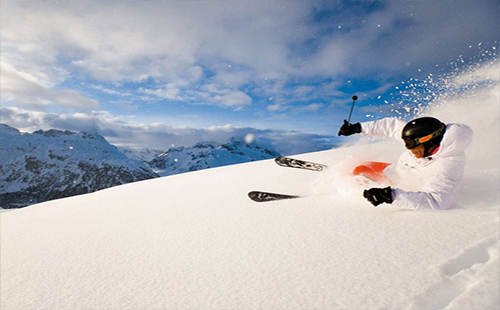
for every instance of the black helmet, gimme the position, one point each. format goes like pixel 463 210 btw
pixel 426 130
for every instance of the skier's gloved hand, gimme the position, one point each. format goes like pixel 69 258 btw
pixel 349 129
pixel 378 195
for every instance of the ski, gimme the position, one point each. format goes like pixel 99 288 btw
pixel 300 164
pixel 265 196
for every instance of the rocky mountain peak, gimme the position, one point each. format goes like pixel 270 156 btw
pixel 54 133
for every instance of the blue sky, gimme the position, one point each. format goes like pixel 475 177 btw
pixel 163 73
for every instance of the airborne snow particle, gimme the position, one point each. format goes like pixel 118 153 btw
pixel 249 138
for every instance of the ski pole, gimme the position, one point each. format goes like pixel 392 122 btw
pixel 354 98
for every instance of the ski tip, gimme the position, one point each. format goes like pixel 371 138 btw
pixel 259 196
pixel 252 195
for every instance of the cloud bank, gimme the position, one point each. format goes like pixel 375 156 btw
pixel 130 135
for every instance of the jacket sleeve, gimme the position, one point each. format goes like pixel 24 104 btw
pixel 388 127
pixel 439 188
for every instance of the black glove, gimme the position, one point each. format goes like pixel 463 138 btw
pixel 349 129
pixel 378 195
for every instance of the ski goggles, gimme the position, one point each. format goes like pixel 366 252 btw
pixel 411 143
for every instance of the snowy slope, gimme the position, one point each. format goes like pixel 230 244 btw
pixel 195 241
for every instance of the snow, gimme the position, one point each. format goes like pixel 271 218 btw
pixel 195 240
pixel 205 155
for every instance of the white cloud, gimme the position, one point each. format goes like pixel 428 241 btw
pixel 226 127
pixel 24 89
pixel 313 107
pixel 422 34
pixel 115 41
pixel 206 94
pixel 302 91
pixel 122 131
pixel 136 41
pixel 110 91
pixel 275 107
pixel 233 98
pixel 170 92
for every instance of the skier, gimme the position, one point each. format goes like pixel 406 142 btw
pixel 435 158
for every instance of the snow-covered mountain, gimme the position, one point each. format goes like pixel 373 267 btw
pixel 144 155
pixel 209 155
pixel 46 165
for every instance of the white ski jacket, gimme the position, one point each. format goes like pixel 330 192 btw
pixel 439 175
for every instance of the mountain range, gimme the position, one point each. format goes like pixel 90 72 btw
pixel 205 155
pixel 46 165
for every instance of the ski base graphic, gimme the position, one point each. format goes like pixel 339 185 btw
pixel 300 164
